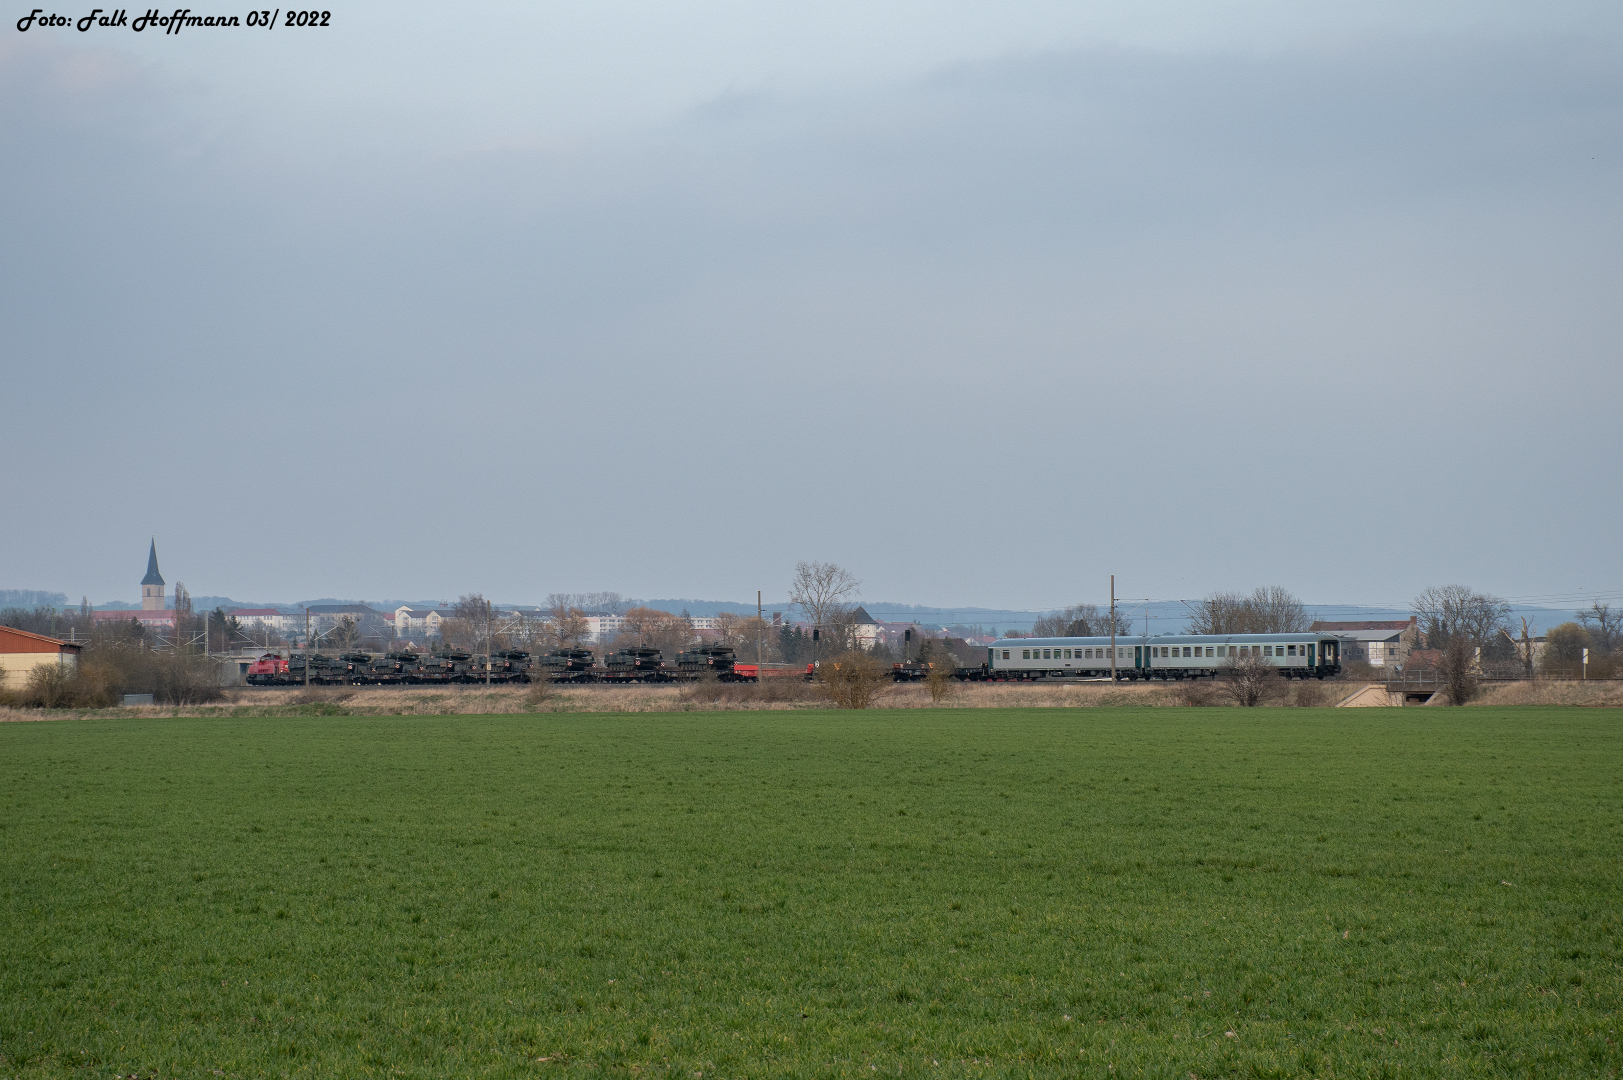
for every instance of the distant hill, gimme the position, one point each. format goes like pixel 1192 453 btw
pixel 32 598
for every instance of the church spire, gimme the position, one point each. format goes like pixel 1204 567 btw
pixel 152 585
pixel 153 577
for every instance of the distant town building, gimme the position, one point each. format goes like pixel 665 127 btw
pixel 417 624
pixel 267 618
pixel 866 629
pixel 368 620
pixel 603 625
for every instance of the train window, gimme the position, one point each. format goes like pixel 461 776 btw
pixel 1222 650
pixel 1005 654
pixel 1245 650
pixel 1208 650
pixel 1267 650
pixel 1089 653
pixel 1068 655
pixel 1025 654
pixel 1290 650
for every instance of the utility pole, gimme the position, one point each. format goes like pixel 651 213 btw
pixel 758 620
pixel 490 644
pixel 307 646
pixel 1112 627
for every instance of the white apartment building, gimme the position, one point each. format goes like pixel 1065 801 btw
pixel 416 624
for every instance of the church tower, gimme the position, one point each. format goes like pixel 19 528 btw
pixel 152 584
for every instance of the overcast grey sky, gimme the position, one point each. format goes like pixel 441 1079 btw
pixel 982 301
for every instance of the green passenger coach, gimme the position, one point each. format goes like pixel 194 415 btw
pixel 1174 656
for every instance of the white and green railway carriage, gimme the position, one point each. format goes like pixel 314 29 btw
pixel 1175 656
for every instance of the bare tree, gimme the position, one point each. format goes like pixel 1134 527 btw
pixel 823 591
pixel 1268 610
pixel 473 618
pixel 1278 611
pixel 664 631
pixel 1219 613
pixel 52 686
pixel 612 602
pixel 1451 611
pixel 942 677
pixel 1605 626
pixel 852 680
pixel 1524 648
pixel 567 626
pixel 1456 669
pixel 184 617
pixel 344 634
pixel 1079 620
pixel 1248 678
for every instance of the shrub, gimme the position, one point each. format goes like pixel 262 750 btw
pixel 541 690
pixel 1194 692
pixel 853 680
pixel 1312 695
pixel 1248 679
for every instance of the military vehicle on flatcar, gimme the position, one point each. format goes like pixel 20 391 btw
pixel 717 660
pixel 639 663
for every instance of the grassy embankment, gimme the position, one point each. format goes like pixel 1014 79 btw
pixel 794 695
pixel 960 893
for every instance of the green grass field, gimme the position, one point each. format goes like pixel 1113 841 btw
pixel 976 893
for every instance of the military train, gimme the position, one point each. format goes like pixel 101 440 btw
pixel 638 664
pixel 1184 656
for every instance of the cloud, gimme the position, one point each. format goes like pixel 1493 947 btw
pixel 1169 313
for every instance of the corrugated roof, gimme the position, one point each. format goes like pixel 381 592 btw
pixel 29 635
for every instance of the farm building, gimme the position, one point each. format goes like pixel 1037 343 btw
pixel 21 652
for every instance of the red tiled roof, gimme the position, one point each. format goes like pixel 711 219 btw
pixel 165 616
